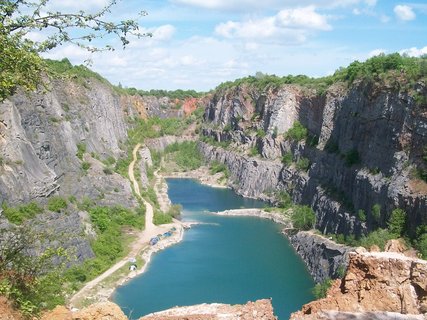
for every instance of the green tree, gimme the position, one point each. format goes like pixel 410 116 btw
pixel 376 213
pixel 303 218
pixel 396 224
pixel 20 63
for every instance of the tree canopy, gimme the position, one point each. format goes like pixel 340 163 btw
pixel 20 63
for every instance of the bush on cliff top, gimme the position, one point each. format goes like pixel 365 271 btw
pixel 411 68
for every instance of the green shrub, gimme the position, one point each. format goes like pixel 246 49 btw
pixel 351 158
pixel 21 213
pixel 421 244
pixel 297 133
pixel 216 167
pixel 85 166
pixel 161 218
pixel 320 289
pixel 361 215
pixel 378 237
pixel 185 154
pixel 284 200
pixel 341 270
pixel 303 218
pixel 312 140
pixel 108 170
pixel 175 210
pixel 56 204
pixel 376 213
pixel 287 158
pixel 396 223
pixel 81 149
pixel 253 152
pixel 303 164
pixel 260 133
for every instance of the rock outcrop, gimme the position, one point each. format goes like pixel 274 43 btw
pixel 258 310
pixel 323 257
pixel 377 282
pixel 98 311
pixel 362 142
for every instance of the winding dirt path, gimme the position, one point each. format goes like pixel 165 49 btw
pixel 150 231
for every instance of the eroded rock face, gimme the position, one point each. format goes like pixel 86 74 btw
pixel 376 281
pixel 323 257
pixel 98 311
pixel 258 310
pixel 367 136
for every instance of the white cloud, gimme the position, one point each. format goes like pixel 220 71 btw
pixel 290 25
pixel 306 18
pixel 376 52
pixel 414 52
pixel 162 33
pixel 245 5
pixel 77 5
pixel 404 12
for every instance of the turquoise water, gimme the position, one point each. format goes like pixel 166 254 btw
pixel 228 260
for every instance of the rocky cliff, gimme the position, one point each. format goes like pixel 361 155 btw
pixel 324 258
pixel 362 142
pixel 376 283
pixel 258 310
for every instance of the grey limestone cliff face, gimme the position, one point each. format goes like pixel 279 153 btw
pixel 41 132
pixel 324 258
pixel 369 137
pixel 40 135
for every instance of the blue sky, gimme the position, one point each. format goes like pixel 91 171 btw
pixel 197 44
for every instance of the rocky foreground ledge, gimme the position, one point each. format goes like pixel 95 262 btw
pixel 258 310
pixel 377 285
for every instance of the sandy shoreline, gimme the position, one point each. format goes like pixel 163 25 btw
pixel 202 175
pixel 259 213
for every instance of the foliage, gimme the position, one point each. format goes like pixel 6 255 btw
pixel 253 151
pixel 396 223
pixel 20 63
pixel 361 215
pixel 185 154
pixel 376 213
pixel 57 203
pixel 284 200
pixel 303 218
pixel 216 167
pixel 320 289
pixel 261 133
pixel 297 133
pixel 29 281
pixel 109 243
pixel 154 127
pixel 213 142
pixel 303 164
pixel 161 218
pixel 287 158
pixel 175 210
pixel 21 213
pixel 64 68
pixel 176 94
pixel 341 270
pixel 421 244
pixel 81 150
pixel 85 166
pixel 378 237
pixel 351 158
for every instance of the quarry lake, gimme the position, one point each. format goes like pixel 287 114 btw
pixel 226 259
